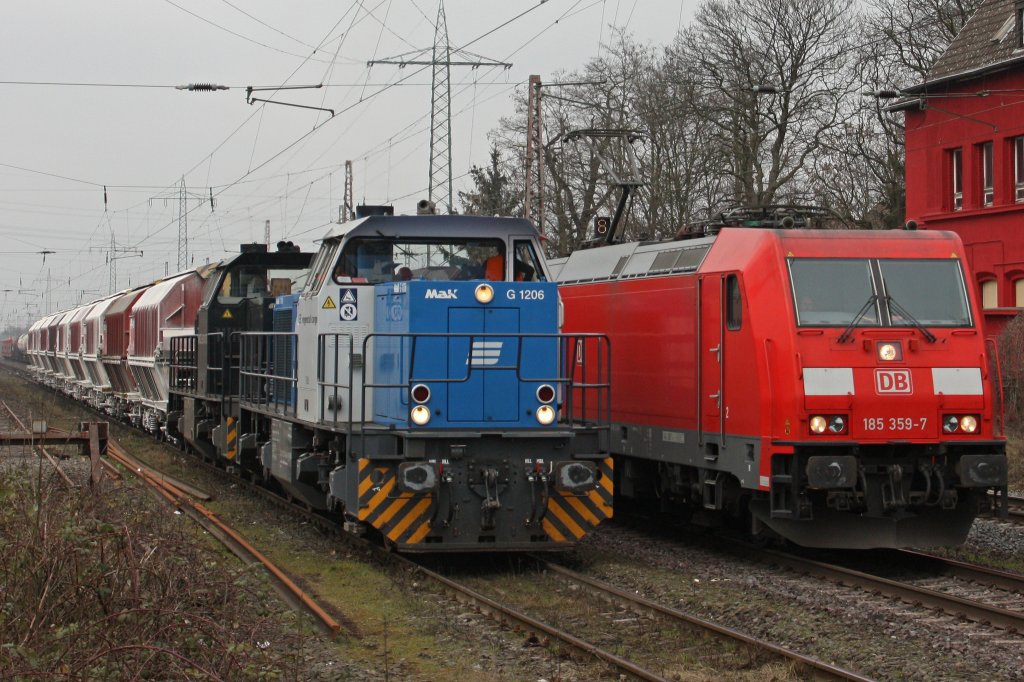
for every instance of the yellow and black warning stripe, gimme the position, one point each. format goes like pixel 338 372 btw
pixel 403 517
pixel 232 439
pixel 570 516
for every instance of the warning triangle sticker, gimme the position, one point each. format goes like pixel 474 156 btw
pixel 348 296
pixel 227 315
pixel 329 304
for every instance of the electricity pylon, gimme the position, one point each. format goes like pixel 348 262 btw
pixel 439 189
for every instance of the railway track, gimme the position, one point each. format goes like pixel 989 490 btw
pixel 544 631
pixel 1003 618
pixel 944 595
pixel 630 601
pixel 174 492
pixel 460 592
pixel 184 497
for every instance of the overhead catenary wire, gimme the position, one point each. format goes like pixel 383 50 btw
pixel 253 175
pixel 239 35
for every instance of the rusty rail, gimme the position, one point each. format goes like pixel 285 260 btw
pixel 176 494
pixel 127 460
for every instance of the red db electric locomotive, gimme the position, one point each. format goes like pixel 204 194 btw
pixel 832 387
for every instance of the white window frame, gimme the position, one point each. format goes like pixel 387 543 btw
pixel 957 171
pixel 1018 168
pixel 987 168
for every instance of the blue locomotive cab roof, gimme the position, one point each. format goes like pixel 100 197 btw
pixel 433 226
pixel 380 249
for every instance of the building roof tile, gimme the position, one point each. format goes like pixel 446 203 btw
pixel 983 44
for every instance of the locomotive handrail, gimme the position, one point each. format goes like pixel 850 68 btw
pixel 604 397
pixel 218 370
pixel 564 380
pixel 346 389
pixel 258 374
pixel 183 364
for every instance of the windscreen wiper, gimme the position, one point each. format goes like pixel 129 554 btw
pixel 847 334
pixel 902 312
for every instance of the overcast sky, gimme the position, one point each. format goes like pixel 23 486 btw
pixel 262 161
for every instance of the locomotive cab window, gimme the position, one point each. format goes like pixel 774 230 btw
pixel 322 266
pixel 372 260
pixel 833 292
pixel 929 292
pixel 526 267
pixel 257 282
pixel 734 303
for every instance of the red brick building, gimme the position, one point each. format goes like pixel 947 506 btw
pixel 965 152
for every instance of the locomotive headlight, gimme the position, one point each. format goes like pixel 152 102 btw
pixel 837 423
pixel 968 423
pixel 545 415
pixel 420 415
pixel 421 393
pixel 888 352
pixel 484 293
pixel 818 424
pixel 950 423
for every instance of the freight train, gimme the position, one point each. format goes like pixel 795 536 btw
pixel 411 377
pixel 832 387
pixel 13 348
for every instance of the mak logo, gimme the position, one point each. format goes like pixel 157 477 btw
pixel 484 353
pixel 893 381
pixel 446 294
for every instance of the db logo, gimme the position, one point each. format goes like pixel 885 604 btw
pixel 893 381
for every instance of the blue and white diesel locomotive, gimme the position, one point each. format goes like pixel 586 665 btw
pixel 419 384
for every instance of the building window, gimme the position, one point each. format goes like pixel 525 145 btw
pixel 1018 12
pixel 990 294
pixel 1018 293
pixel 986 174
pixel 957 171
pixel 1018 168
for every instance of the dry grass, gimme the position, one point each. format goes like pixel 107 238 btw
pixel 94 585
pixel 1015 457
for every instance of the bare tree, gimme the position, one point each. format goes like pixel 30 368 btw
pixel 907 36
pixel 683 161
pixel 861 172
pixel 757 102
pixel 772 74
